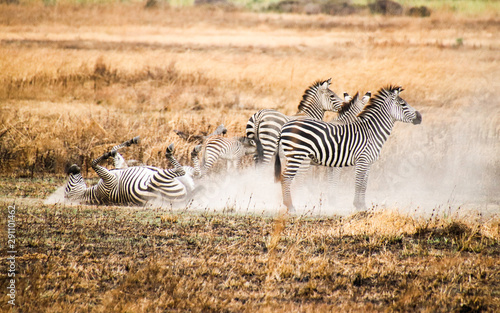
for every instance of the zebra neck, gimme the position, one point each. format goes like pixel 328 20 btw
pixel 311 110
pixel 381 122
pixel 90 194
pixel 78 190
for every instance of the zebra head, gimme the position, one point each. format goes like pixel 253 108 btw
pixel 400 110
pixel 319 98
pixel 75 187
pixel 249 145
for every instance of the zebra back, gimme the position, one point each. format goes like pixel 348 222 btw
pixel 265 125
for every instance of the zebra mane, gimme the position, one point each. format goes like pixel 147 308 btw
pixel 310 91
pixel 348 105
pixel 379 98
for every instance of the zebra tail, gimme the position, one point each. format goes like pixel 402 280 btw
pixel 277 165
pixel 258 144
pixel 260 150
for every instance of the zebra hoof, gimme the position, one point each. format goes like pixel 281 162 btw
pixel 170 150
pixel 359 206
pixel 112 153
pixel 195 151
pixel 74 169
pixel 136 140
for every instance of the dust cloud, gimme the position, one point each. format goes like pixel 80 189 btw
pixel 449 163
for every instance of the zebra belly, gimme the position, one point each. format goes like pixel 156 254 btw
pixel 133 186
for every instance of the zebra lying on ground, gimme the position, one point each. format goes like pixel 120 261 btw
pixel 130 186
pixel 229 149
pixel 358 143
pixel 191 172
pixel 265 125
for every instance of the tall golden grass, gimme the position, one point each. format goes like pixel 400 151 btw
pixel 76 80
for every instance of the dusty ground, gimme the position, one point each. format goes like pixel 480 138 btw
pixel 122 259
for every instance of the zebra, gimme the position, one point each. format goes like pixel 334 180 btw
pixel 229 149
pixel 129 186
pixel 118 160
pixel 350 109
pixel 265 125
pixel 191 172
pixel 346 114
pixel 359 143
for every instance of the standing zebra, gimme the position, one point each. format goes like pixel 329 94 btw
pixel 132 185
pixel 358 143
pixel 265 125
pixel 229 149
pixel 350 109
pixel 347 114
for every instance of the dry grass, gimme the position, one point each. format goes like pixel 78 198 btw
pixel 116 259
pixel 77 78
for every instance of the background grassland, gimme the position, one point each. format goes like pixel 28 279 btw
pixel 77 79
pixel 461 7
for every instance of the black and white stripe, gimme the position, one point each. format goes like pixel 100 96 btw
pixel 229 149
pixel 131 185
pixel 356 144
pixel 265 125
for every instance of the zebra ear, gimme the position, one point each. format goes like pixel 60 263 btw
pixel 347 97
pixel 326 83
pixel 398 90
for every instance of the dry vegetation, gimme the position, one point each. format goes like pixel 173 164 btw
pixel 115 259
pixel 76 80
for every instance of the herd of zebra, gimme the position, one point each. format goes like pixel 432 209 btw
pixel 354 138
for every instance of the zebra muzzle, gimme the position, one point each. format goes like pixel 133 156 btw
pixel 418 118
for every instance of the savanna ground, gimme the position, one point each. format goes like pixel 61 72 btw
pixel 78 79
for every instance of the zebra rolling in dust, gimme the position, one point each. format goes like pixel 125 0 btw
pixel 135 185
pixel 356 144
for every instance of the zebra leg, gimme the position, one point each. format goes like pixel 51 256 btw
pixel 170 157
pixel 301 177
pixel 293 164
pixel 109 181
pixel 362 171
pixel 127 143
pixel 333 182
pixel 196 161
